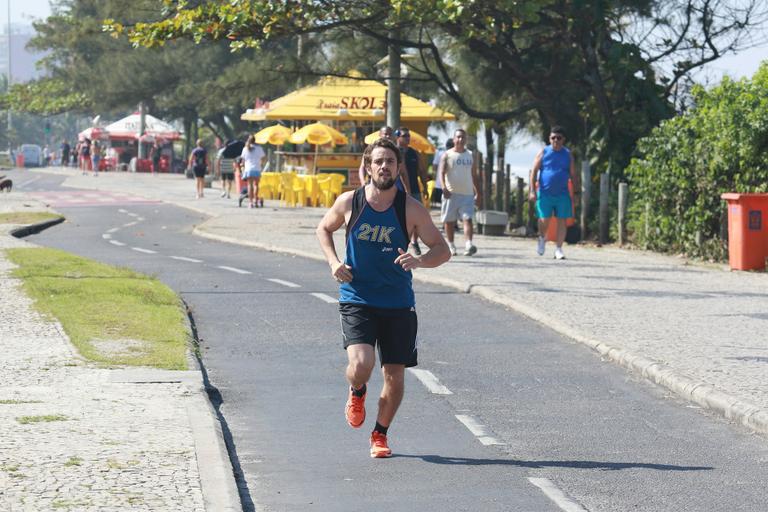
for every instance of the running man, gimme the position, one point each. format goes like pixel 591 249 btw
pixel 552 168
pixel 377 303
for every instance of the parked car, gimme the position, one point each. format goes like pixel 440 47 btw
pixel 33 155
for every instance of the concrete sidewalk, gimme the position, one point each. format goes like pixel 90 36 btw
pixel 76 436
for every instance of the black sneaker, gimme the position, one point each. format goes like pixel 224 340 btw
pixel 471 250
pixel 416 248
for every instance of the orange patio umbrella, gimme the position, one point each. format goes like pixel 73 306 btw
pixel 418 142
pixel 276 135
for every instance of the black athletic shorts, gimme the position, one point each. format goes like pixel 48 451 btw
pixel 199 171
pixel 228 176
pixel 392 330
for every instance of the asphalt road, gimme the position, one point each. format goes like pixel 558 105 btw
pixel 533 422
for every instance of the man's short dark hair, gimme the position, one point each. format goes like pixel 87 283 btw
pixel 557 129
pixel 462 130
pixel 380 143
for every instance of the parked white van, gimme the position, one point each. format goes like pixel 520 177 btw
pixel 33 155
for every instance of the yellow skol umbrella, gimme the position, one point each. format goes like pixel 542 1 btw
pixel 276 135
pixel 418 142
pixel 318 134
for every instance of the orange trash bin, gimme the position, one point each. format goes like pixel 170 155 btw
pixel 747 230
pixel 20 160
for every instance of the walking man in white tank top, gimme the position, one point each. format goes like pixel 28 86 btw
pixel 458 173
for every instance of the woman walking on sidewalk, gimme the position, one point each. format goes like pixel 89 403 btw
pixel 253 160
pixel 198 161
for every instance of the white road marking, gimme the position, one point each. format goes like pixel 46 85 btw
pixel 122 210
pixel 478 430
pixel 106 236
pixel 233 269
pixel 184 258
pixel 140 219
pixel 556 495
pixel 134 215
pixel 130 224
pixel 145 251
pixel 113 230
pixel 325 298
pixel 285 283
pixel 28 182
pixel 115 242
pixel 430 381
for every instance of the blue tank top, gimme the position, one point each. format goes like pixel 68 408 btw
pixel 371 251
pixel 555 171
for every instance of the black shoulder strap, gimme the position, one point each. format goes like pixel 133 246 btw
pixel 400 212
pixel 358 203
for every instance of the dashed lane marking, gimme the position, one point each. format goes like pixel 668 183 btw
pixel 478 430
pixel 430 381
pixel 233 269
pixel 325 298
pixel 106 236
pixel 130 224
pixel 115 242
pixel 145 251
pixel 556 495
pixel 285 283
pixel 113 230
pixel 184 258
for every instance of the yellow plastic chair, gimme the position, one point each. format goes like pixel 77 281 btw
pixel 337 180
pixel 311 188
pixel 268 185
pixel 430 188
pixel 324 183
pixel 293 191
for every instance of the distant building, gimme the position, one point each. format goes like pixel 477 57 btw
pixel 22 60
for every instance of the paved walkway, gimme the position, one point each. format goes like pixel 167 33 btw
pixel 76 436
pixel 697 329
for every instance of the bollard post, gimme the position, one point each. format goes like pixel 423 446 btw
pixel 623 197
pixel 506 188
pixel 486 195
pixel 519 202
pixel 603 211
pixel 586 192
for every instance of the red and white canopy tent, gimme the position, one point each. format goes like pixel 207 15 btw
pixel 128 128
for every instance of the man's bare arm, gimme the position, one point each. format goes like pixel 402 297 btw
pixel 329 224
pixel 534 175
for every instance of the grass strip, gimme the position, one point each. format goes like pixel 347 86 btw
pixel 46 418
pixel 112 315
pixel 26 217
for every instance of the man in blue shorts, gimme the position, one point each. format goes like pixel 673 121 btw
pixel 376 302
pixel 553 166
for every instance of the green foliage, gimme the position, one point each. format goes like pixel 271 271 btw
pixel 686 163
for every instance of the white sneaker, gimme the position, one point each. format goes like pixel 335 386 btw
pixel 453 249
pixel 224 194
pixel 541 245
pixel 559 254
pixel 471 250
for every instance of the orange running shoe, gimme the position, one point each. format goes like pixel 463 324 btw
pixel 355 410
pixel 379 448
